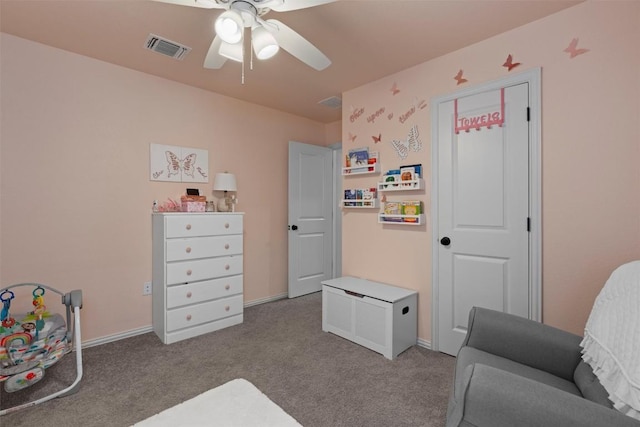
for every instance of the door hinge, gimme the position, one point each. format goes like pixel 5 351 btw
pixel 528 114
pixel 529 224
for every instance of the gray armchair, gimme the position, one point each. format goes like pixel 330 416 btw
pixel 512 371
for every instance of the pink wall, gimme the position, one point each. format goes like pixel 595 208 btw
pixel 590 144
pixel 75 191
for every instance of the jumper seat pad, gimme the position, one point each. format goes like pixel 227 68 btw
pixel 32 340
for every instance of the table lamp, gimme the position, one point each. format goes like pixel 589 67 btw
pixel 225 182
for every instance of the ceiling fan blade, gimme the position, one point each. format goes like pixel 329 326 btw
pixel 297 45
pixel 214 60
pixel 287 5
pixel 204 4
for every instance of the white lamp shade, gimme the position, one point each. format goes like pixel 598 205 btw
pixel 229 26
pixel 264 44
pixel 224 182
pixel 232 51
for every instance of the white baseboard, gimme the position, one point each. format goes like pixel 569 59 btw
pixel 147 329
pixel 267 299
pixel 117 337
pixel 424 343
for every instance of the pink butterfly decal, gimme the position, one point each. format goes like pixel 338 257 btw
pixel 510 64
pixel 459 78
pixel 175 165
pixel 394 89
pixel 573 50
pixel 352 137
pixel 376 139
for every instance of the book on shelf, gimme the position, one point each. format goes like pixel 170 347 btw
pixel 358 157
pixel 349 195
pixel 411 208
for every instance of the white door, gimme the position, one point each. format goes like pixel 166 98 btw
pixel 311 205
pixel 483 210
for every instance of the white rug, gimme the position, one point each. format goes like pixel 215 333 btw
pixel 237 403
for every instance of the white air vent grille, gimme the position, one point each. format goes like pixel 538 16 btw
pixel 166 47
pixel 334 102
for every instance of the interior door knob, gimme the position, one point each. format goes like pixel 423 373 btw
pixel 445 241
pixel 294 227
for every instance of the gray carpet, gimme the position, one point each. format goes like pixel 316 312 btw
pixel 318 378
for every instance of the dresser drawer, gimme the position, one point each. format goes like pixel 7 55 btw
pixel 202 313
pixel 203 247
pixel 193 293
pixel 202 269
pixel 202 225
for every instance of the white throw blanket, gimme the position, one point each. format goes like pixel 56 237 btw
pixel 237 403
pixel 611 344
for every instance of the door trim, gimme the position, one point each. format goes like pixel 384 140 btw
pixel 533 78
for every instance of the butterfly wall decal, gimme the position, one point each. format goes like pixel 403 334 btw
pixel 573 49
pixel 352 137
pixel 458 77
pixel 412 143
pixel 376 139
pixel 175 165
pixel 394 89
pixel 509 64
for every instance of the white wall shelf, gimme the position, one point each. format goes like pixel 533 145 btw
pixel 360 204
pixel 368 169
pixel 412 185
pixel 401 219
pixel 371 169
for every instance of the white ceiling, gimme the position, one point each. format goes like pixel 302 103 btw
pixel 365 39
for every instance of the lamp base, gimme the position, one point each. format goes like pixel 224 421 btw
pixel 225 205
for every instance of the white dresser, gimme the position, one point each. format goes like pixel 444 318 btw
pixel 197 273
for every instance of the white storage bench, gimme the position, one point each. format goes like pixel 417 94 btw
pixel 380 317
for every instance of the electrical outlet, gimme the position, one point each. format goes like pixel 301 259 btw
pixel 146 288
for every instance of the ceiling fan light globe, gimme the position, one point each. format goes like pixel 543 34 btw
pixel 264 44
pixel 267 52
pixel 229 27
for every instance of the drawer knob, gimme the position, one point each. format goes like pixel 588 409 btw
pixel 188 226
pixel 188 250
pixel 188 294
pixel 226 267
pixel 227 308
pixel 226 246
pixel 227 287
pixel 226 225
pixel 188 317
pixel 189 272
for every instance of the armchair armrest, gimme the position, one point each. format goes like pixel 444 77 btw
pixel 497 398
pixel 524 341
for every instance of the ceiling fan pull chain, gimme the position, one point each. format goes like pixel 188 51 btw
pixel 242 70
pixel 251 53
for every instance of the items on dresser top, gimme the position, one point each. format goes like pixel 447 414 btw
pixel 197 273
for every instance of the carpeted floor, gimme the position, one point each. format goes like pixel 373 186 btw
pixel 318 378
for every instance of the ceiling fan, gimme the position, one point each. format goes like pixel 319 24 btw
pixel 267 36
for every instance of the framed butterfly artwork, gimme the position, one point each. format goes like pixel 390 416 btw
pixel 178 164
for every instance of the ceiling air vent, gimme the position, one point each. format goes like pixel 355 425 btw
pixel 334 102
pixel 166 47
